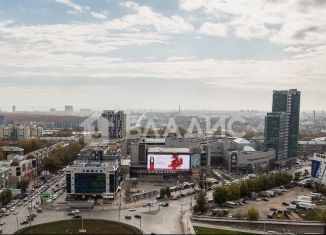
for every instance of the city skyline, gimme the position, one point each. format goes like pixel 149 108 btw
pixel 201 54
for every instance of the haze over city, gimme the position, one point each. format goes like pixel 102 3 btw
pixel 201 54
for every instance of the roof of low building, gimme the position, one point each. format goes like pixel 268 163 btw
pixel 248 149
pixel 168 150
pixel 11 149
pixel 241 141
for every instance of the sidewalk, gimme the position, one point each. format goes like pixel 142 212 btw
pixel 187 224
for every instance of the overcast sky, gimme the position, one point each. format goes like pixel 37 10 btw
pixel 156 54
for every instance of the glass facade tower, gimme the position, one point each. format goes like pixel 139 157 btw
pixel 282 125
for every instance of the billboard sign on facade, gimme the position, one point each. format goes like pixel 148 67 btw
pixel 169 162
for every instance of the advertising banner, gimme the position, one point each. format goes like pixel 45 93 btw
pixel 173 162
pixel 315 168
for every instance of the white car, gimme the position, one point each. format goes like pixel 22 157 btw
pixel 15 212
pixel 2 222
pixel 132 209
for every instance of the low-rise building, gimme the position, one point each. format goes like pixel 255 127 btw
pixel 248 160
pixel 20 168
pixel 308 148
pixel 7 150
pixel 95 173
pixel 93 178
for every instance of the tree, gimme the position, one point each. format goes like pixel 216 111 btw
pixel 168 192
pixel 244 189
pixel 233 191
pixel 62 156
pixel 23 185
pixel 201 185
pixel 5 196
pixel 2 155
pixel 209 184
pixel 253 214
pixel 201 202
pixel 162 192
pixel 220 195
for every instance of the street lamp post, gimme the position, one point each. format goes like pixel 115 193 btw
pixel 120 206
pixel 17 222
pixel 140 224
pixel 30 213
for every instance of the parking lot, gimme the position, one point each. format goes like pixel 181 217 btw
pixel 274 202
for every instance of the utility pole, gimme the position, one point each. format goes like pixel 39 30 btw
pixel 30 213
pixel 17 222
pixel 120 207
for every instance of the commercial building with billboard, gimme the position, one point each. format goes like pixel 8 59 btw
pixel 164 163
pixel 318 168
pixel 96 176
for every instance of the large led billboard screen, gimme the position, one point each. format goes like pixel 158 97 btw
pixel 168 162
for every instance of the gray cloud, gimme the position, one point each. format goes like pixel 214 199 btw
pixel 301 34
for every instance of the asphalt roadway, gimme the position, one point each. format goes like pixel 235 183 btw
pixel 163 220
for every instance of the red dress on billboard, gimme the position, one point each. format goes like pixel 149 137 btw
pixel 176 162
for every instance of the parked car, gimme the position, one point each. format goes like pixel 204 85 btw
pixel 24 222
pixel 285 203
pixel 138 216
pixel 128 217
pixel 132 209
pixel 2 222
pixel 77 216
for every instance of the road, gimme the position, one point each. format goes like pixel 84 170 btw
pixel 163 220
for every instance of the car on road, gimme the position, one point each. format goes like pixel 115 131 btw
pixel 24 222
pixel 2 222
pixel 138 216
pixel 128 217
pixel 70 213
pixel 266 199
pixel 12 209
pixel 39 210
pixel 285 203
pixel 77 216
pixel 7 213
pixel 15 212
pixel 164 204
pixel 149 204
pixel 132 209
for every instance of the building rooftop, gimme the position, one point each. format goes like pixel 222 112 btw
pixel 152 140
pixel 168 150
pixel 12 148
pixel 312 142
pixel 248 149
pixel 241 141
